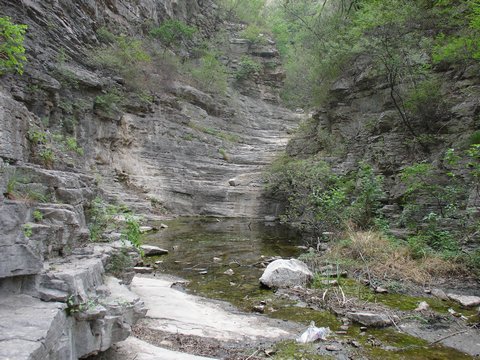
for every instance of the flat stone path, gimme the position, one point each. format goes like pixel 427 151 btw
pixel 174 311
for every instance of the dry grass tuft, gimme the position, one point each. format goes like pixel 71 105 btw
pixel 375 256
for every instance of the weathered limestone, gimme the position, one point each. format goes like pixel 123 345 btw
pixel 370 319
pixel 286 273
pixel 175 311
pixel 465 300
pixel 150 250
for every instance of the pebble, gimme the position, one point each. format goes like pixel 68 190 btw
pixel 217 260
pixel 332 348
pixel 422 306
pixel 381 290
pixel 204 272
pixel 229 272
pixel 259 309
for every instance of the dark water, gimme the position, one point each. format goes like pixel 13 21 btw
pixel 201 250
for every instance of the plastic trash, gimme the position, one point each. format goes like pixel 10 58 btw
pixel 313 333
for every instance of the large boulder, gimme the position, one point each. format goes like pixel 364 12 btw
pixel 286 273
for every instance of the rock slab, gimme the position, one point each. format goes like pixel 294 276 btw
pixel 370 319
pixel 465 300
pixel 286 273
pixel 150 250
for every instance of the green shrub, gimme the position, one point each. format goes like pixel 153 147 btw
pixel 47 155
pixel 173 32
pixel 37 215
pixel 209 74
pixel 109 102
pixel 247 68
pixel 72 145
pixel 254 34
pixel 12 50
pixel 131 232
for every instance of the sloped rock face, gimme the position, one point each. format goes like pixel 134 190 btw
pixel 176 153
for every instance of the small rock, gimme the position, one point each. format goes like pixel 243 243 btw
pixel 363 328
pixel 229 272
pixel 233 182
pixel 332 348
pixel 439 294
pixel 270 218
pixel 355 344
pixel 269 352
pixel 263 302
pixel 341 332
pixel 454 313
pixel 163 226
pixel 422 306
pixel 145 229
pixel 259 309
pixel 465 300
pixel 150 250
pixel 203 272
pixel 427 291
pixel 159 262
pixel 330 282
pixel 217 260
pixel 366 282
pixel 166 343
pixel 143 270
pixel 232 283
pixel 370 319
pixel 344 327
pixel 381 290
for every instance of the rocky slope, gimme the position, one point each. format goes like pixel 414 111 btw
pixel 186 152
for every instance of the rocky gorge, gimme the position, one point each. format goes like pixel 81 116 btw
pixel 80 129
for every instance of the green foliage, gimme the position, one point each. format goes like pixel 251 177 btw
pixel 319 200
pixel 254 34
pixel 47 155
pixel 248 11
pixel 105 35
pixel 12 50
pixel 464 43
pixel 247 68
pixel 109 102
pixel 27 230
pixel 173 32
pixel 427 195
pixel 224 154
pixel 369 193
pixel 72 145
pixel 131 231
pixel 119 262
pixel 209 73
pixel 37 215
pixel 425 101
pixel 475 138
pixel 103 216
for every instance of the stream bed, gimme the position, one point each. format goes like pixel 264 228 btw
pixel 222 259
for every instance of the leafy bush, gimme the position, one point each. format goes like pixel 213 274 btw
pixel 319 200
pixel 248 11
pixel 173 32
pixel 209 73
pixel 12 50
pixel 247 68
pixel 131 231
pixel 254 34
pixel 109 102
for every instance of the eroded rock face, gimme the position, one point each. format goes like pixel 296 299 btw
pixel 286 273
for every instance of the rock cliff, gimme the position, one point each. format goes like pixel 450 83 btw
pixel 184 151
